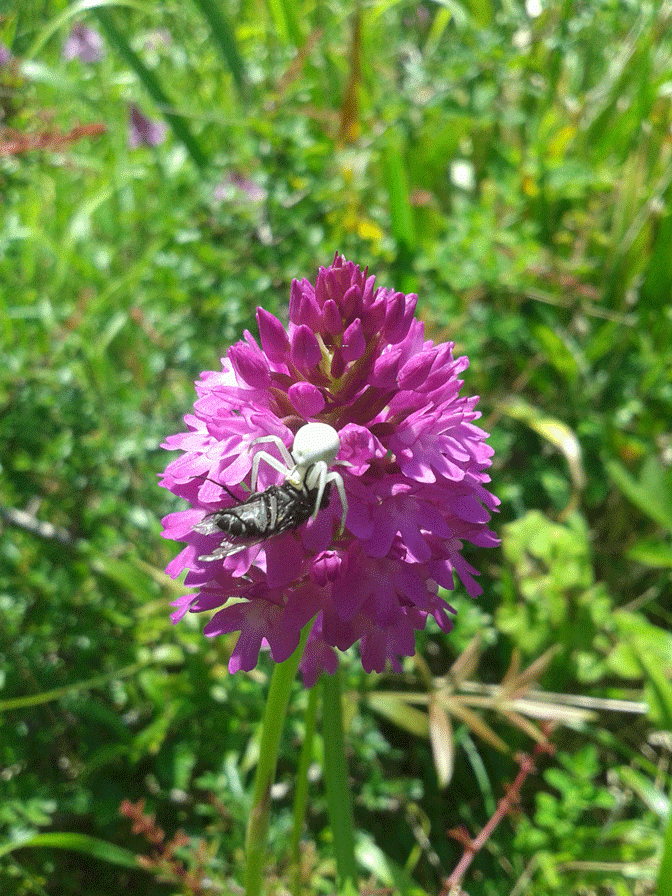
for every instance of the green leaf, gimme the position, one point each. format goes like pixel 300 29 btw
pixel 392 706
pixel 665 873
pixel 90 846
pixel 656 799
pixel 386 870
pixel 554 430
pixel 659 688
pixel 638 637
pixel 652 494
pixel 442 742
pixel 285 17
pixel 651 552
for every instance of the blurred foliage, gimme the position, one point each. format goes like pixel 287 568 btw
pixel 512 164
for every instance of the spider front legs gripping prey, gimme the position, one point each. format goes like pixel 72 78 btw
pixel 280 508
pixel 314 449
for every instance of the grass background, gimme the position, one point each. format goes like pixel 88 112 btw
pixel 512 165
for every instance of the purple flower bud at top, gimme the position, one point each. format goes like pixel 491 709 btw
pixel 333 323
pixel 305 350
pixel 274 339
pixel 303 305
pixel 338 364
pixel 251 367
pixel 351 302
pixel 353 341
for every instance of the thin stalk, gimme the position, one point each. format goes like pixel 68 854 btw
pixel 272 725
pixel 301 792
pixel 336 780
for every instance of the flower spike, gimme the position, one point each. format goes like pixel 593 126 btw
pixel 350 394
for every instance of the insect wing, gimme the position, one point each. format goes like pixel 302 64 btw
pixel 208 525
pixel 228 548
pixel 242 525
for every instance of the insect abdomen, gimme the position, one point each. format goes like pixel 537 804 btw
pixel 278 509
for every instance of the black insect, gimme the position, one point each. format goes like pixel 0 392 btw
pixel 279 508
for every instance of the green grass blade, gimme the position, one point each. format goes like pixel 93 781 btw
pixel 665 873
pixel 153 88
pixel 90 846
pixel 285 18
pixel 292 18
pixel 97 681
pixel 225 40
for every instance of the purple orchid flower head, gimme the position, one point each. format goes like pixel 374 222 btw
pixel 83 43
pixel 403 474
pixel 240 184
pixel 144 131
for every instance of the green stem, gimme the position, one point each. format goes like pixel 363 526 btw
pixel 272 725
pixel 336 780
pixel 301 793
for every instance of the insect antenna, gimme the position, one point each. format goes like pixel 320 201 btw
pixel 221 485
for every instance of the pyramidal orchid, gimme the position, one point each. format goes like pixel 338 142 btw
pixel 412 466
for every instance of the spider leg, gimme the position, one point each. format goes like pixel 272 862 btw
pixel 279 444
pixel 317 477
pixel 337 479
pixel 271 461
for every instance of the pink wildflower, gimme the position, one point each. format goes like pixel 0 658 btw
pixel 412 460
pixel 83 43
pixel 144 131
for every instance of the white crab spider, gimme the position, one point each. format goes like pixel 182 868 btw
pixel 314 449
